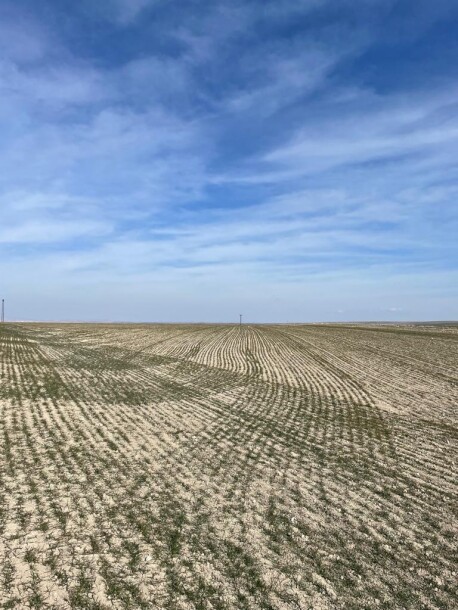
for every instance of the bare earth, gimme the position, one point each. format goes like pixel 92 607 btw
pixel 262 467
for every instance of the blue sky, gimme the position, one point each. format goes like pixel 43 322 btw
pixel 172 161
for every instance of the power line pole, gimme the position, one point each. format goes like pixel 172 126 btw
pixel 3 310
pixel 240 319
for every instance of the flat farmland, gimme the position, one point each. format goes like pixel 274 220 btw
pixel 225 467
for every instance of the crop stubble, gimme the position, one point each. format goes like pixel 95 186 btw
pixel 213 466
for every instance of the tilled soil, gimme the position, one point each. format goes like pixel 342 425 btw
pixel 226 467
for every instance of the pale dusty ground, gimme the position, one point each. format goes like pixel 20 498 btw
pixel 262 467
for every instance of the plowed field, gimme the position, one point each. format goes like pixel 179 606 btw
pixel 212 466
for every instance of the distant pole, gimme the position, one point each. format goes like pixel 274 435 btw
pixel 240 319
pixel 3 310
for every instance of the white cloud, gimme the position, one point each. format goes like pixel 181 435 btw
pixel 128 11
pixel 23 40
pixel 41 232
pixel 52 87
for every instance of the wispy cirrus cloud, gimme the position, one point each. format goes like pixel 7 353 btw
pixel 245 150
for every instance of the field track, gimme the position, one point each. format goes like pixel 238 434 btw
pixel 219 467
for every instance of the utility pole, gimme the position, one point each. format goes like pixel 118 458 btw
pixel 240 319
pixel 3 310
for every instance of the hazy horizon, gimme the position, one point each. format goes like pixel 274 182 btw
pixel 235 323
pixel 188 161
